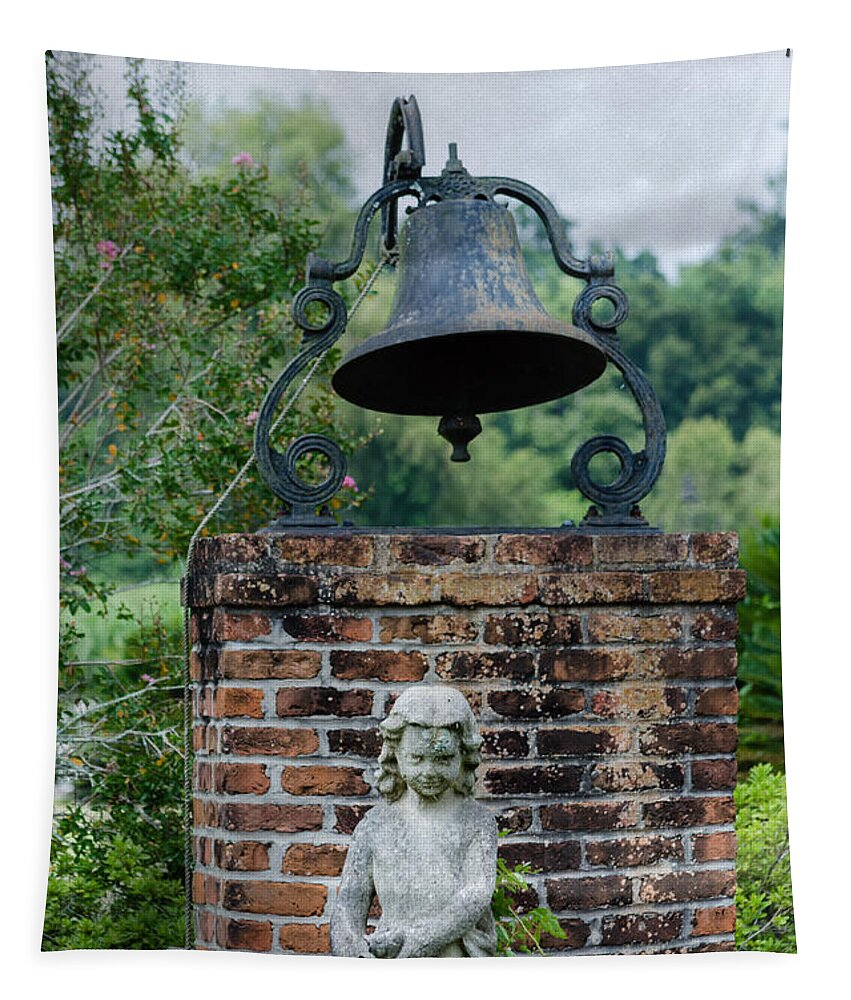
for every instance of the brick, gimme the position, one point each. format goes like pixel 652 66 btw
pixel 589 816
pixel 644 550
pixel 712 946
pixel 715 625
pixel 354 550
pixel 287 899
pixel 204 665
pixel 303 701
pixel 504 743
pixel 643 702
pixel 244 935
pixel 689 737
pixel 636 776
pixel 717 701
pixel 327 628
pixel 465 590
pixel 271 816
pixel 323 780
pixel 537 704
pixel 200 626
pixel 719 548
pixel 348 817
pixel 640 928
pixel 532 629
pixel 714 846
pixel 432 629
pixel 590 588
pixel 548 856
pixel 273 740
pixel 514 820
pixel 555 779
pixel 680 887
pixel 571 665
pixel 242 855
pixel 306 939
pixel 589 893
pixel 205 813
pixel 699 586
pixel 583 741
pixel 355 742
pixel 403 589
pixel 206 923
pixel 713 775
pixel 228 626
pixel 231 703
pixel 690 664
pixel 269 664
pixel 479 665
pixel 202 850
pixel 436 550
pixel 204 739
pixel 242 779
pixel 689 811
pixel 378 664
pixel 576 933
pixel 203 777
pixel 714 920
pixel 238 550
pixel 544 549
pixel 314 859
pixel 633 851
pixel 611 626
pixel 248 590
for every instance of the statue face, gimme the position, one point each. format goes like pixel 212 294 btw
pixel 429 759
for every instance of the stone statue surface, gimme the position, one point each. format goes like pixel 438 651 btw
pixel 428 851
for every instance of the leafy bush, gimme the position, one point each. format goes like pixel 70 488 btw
pixel 764 914
pixel 116 867
pixel 517 930
pixel 760 684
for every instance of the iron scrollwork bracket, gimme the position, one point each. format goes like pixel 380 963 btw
pixel 401 173
pixel 615 504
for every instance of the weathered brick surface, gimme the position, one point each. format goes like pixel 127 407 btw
pixel 602 670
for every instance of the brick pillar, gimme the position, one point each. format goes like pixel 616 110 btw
pixel 601 669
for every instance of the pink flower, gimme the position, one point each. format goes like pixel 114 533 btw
pixel 147 678
pixel 109 249
pixel 78 572
pixel 252 417
pixel 349 483
pixel 63 563
pixel 106 265
pixel 243 160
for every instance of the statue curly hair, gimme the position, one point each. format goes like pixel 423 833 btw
pixel 435 707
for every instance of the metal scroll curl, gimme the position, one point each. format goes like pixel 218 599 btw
pixel 279 470
pixel 616 503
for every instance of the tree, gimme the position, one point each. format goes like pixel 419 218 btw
pixel 172 296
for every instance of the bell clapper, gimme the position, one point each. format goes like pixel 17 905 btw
pixel 459 431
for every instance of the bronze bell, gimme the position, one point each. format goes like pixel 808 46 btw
pixel 467 333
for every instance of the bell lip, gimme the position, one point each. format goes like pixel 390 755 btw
pixel 348 381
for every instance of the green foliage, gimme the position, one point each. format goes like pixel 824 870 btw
pixel 764 913
pixel 761 692
pixel 116 867
pixel 516 930
pixel 172 295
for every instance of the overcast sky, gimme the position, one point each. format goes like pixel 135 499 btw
pixel 656 156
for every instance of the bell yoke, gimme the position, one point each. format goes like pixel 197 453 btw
pixel 467 333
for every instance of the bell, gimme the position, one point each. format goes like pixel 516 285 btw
pixel 467 333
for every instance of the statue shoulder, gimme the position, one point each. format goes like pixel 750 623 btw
pixel 483 818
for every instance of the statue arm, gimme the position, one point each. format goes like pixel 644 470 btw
pixel 431 935
pixel 348 920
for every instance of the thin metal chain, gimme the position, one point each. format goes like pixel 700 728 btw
pixel 187 679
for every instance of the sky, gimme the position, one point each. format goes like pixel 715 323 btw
pixel 656 156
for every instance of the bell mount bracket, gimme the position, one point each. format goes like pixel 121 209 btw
pixel 615 504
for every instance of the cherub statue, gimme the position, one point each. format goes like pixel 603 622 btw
pixel 428 851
